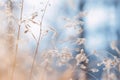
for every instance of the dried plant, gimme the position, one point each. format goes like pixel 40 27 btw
pixel 18 38
pixel 54 63
pixel 39 38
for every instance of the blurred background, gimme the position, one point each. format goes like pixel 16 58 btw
pixel 101 23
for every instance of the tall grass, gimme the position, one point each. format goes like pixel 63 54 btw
pixel 53 63
pixel 18 38
pixel 39 38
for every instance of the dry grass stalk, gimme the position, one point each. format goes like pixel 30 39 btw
pixel 18 38
pixel 10 26
pixel 59 58
pixel 38 42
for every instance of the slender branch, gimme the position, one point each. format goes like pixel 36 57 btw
pixel 38 42
pixel 18 38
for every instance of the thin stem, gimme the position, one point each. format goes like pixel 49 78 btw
pixel 18 38
pixel 38 42
pixel 33 36
pixel 32 33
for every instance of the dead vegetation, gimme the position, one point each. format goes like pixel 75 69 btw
pixel 52 63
